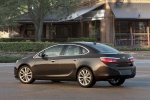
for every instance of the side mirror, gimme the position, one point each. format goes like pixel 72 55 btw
pixel 43 55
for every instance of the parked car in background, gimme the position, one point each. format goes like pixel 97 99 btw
pixel 85 62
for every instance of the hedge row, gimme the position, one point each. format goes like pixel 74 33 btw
pixel 23 46
pixel 143 48
pixel 37 46
pixel 48 40
pixel 9 59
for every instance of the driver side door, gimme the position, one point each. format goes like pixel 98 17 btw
pixel 46 64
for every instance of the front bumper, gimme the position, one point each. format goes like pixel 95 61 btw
pixel 15 72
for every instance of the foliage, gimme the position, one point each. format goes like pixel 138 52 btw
pixel 37 10
pixel 93 32
pixel 81 39
pixel 9 59
pixel 125 48
pixel 23 46
pixel 47 40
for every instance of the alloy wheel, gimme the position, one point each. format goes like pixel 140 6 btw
pixel 25 75
pixel 85 78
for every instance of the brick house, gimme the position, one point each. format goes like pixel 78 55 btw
pixel 121 22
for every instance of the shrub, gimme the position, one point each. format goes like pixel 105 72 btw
pixel 23 46
pixel 82 39
pixel 9 59
pixel 143 48
pixel 48 40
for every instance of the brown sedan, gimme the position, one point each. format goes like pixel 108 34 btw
pixel 85 62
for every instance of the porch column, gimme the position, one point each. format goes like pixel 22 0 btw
pixel 81 35
pixel 148 35
pixel 131 33
pixel 90 28
pixel 47 31
pixel 113 31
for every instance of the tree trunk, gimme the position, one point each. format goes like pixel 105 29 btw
pixel 38 32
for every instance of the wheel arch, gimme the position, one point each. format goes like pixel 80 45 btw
pixel 84 66
pixel 23 65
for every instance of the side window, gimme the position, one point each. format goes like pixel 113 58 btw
pixel 53 51
pixel 84 51
pixel 72 50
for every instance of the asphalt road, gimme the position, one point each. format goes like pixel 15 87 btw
pixel 137 88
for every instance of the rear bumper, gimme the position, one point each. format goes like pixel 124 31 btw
pixel 106 73
pixel 15 72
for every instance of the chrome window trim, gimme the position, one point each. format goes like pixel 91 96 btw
pixel 36 55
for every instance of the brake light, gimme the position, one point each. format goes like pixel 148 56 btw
pixel 131 59
pixel 109 59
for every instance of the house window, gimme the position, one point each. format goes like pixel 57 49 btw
pixel 122 27
pixel 139 27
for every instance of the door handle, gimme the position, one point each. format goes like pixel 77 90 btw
pixel 53 60
pixel 75 60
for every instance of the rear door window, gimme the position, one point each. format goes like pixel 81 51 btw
pixel 104 48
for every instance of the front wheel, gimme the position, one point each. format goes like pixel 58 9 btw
pixel 25 75
pixel 85 77
pixel 117 81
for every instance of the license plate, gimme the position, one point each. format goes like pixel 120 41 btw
pixel 125 72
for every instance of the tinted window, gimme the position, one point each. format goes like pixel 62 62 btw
pixel 104 48
pixel 53 51
pixel 75 50
pixel 72 50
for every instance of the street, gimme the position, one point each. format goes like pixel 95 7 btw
pixel 137 88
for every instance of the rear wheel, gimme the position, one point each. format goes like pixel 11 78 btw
pixel 85 77
pixel 25 75
pixel 117 81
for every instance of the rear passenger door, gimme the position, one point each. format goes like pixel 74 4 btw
pixel 69 60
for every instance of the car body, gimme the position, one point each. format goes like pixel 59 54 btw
pixel 85 62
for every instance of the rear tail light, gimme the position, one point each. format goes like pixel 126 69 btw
pixel 109 59
pixel 131 59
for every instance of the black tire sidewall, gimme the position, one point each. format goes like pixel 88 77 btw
pixel 120 82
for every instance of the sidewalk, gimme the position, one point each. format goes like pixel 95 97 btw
pixel 136 61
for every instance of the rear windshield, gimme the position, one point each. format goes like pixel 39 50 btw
pixel 104 48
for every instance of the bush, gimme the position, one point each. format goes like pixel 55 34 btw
pixel 81 39
pixel 9 59
pixel 49 40
pixel 23 46
pixel 143 48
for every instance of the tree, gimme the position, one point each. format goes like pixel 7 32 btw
pixel 37 10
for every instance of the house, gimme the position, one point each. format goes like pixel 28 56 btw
pixel 121 22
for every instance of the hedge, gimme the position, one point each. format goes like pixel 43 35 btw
pixel 129 48
pixel 9 59
pixel 23 46
pixel 48 40
pixel 37 46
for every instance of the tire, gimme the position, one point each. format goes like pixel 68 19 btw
pixel 85 78
pixel 55 81
pixel 25 75
pixel 117 81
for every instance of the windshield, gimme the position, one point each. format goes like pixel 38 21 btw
pixel 104 48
